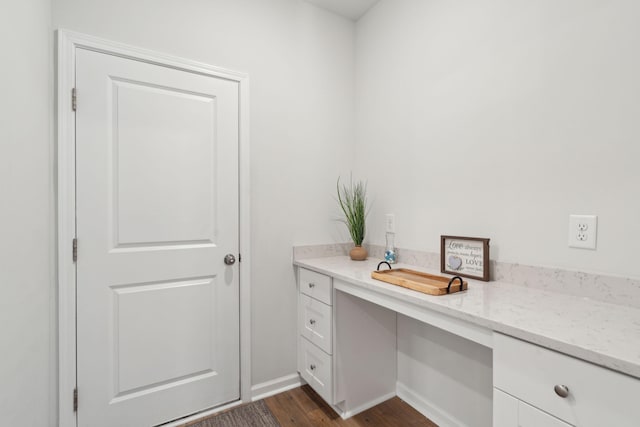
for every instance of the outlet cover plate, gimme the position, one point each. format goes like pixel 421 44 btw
pixel 583 231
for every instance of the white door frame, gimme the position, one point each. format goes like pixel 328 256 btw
pixel 67 44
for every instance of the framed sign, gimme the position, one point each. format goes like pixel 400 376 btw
pixel 465 256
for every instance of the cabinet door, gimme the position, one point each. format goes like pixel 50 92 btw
pixel 511 412
pixel 505 409
pixel 528 416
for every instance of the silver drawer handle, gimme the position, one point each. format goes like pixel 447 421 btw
pixel 561 390
pixel 312 285
pixel 312 321
pixel 312 367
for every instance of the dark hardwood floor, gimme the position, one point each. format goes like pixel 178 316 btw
pixel 303 407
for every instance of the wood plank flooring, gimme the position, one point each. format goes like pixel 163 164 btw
pixel 303 407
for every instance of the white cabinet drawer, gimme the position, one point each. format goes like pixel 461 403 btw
pixel 528 416
pixel 315 285
pixel 511 412
pixel 315 367
pixel 505 409
pixel 315 322
pixel 597 396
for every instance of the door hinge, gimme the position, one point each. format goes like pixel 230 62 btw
pixel 74 99
pixel 75 250
pixel 75 400
pixel 239 257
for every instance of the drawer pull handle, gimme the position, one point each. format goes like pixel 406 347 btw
pixel 312 367
pixel 312 285
pixel 312 321
pixel 562 391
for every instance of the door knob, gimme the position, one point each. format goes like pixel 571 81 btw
pixel 229 259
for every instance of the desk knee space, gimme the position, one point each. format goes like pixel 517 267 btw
pixel 355 366
pixel 366 356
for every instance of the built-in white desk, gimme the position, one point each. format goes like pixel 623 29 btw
pixel 512 346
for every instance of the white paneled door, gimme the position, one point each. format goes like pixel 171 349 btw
pixel 157 211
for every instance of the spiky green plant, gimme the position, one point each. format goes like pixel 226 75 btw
pixel 353 201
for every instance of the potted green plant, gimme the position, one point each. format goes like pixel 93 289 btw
pixel 353 202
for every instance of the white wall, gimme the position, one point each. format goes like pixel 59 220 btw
pixel 452 377
pixel 27 380
pixel 499 119
pixel 495 119
pixel 301 65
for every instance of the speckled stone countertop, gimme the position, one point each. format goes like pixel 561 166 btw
pixel 599 332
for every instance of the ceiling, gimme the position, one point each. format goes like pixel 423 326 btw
pixel 352 9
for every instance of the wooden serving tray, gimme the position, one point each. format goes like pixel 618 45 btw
pixel 418 281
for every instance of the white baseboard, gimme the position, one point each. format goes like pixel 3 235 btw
pixel 361 408
pixel 269 388
pixel 426 408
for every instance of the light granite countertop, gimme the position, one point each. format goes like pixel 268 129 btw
pixel 599 332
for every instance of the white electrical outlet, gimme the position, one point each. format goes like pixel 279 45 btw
pixel 390 223
pixel 583 231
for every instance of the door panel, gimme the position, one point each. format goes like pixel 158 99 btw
pixel 150 139
pixel 157 210
pixel 143 359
